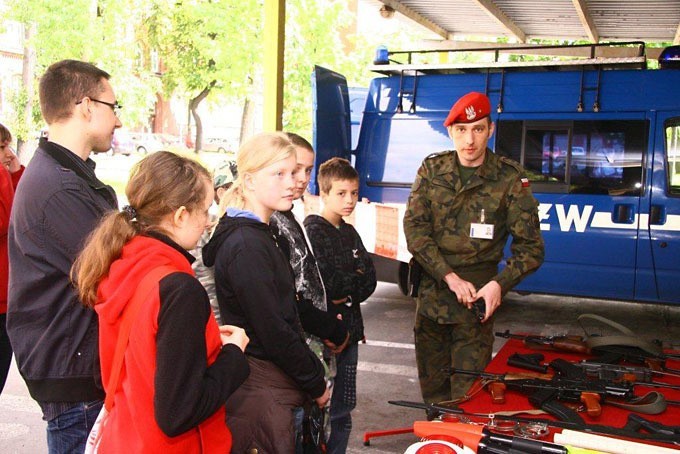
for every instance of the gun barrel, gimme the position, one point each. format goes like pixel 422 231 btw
pixel 642 373
pixel 476 373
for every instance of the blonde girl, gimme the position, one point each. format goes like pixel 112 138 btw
pixel 256 290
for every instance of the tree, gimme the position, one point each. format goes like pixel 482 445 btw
pixel 100 32
pixel 312 38
pixel 206 47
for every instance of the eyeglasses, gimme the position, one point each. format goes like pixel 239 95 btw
pixel 113 105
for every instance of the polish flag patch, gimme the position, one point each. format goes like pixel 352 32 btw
pixel 525 182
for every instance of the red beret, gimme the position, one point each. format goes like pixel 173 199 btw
pixel 469 108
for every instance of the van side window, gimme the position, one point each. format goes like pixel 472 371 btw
pixel 579 157
pixel 673 156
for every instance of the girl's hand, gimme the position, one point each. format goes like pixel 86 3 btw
pixel 231 334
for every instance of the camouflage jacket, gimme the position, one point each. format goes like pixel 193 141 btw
pixel 441 209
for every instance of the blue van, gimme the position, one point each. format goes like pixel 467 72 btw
pixel 598 136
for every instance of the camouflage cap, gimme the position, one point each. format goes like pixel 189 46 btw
pixel 224 173
pixel 469 108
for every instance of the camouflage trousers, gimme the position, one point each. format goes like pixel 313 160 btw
pixel 440 346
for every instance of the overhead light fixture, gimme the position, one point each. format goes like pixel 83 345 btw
pixel 387 12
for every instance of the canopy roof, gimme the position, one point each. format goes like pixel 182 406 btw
pixel 521 20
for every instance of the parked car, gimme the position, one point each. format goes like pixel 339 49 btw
pixel 218 145
pixel 168 140
pixel 122 143
pixel 146 142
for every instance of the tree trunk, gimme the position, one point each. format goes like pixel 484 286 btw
pixel 246 121
pixel 193 106
pixel 27 77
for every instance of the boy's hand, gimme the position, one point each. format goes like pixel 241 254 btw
pixel 336 348
pixel 340 301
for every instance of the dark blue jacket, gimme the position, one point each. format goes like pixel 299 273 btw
pixel 58 202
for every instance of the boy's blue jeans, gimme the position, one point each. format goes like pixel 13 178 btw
pixel 344 399
pixel 67 433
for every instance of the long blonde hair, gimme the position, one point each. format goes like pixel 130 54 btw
pixel 159 184
pixel 255 154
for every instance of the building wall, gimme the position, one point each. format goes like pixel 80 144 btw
pixel 11 61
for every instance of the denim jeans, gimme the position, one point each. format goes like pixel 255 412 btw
pixel 67 433
pixel 344 399
pixel 298 418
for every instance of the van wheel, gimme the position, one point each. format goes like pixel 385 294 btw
pixel 403 278
pixel 221 150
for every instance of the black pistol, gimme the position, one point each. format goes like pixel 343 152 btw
pixel 479 309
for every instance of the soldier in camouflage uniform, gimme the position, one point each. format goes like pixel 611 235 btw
pixel 462 207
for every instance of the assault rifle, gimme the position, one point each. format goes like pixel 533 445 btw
pixel 657 432
pixel 617 353
pixel 573 344
pixel 605 354
pixel 633 374
pixel 587 370
pixel 590 393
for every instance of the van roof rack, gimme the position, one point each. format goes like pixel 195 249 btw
pixel 615 55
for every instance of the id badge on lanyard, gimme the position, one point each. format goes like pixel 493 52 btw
pixel 481 230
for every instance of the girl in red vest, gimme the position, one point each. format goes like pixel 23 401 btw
pixel 179 367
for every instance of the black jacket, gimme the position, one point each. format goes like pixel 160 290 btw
pixel 58 202
pixel 256 291
pixel 346 268
pixel 312 305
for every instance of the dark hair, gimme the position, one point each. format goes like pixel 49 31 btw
pixel 5 135
pixel 335 169
pixel 299 141
pixel 159 184
pixel 65 83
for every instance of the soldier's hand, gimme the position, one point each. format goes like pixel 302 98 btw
pixel 463 289
pixel 491 293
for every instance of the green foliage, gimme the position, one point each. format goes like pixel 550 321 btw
pixel 99 32
pixel 202 41
pixel 312 38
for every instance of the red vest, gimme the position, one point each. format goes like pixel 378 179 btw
pixel 132 417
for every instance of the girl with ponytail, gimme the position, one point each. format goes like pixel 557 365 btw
pixel 179 367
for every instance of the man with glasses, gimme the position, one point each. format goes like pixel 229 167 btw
pixel 57 204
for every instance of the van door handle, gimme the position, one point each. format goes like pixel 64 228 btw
pixel 657 214
pixel 624 213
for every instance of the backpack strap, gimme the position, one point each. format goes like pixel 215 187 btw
pixel 146 285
